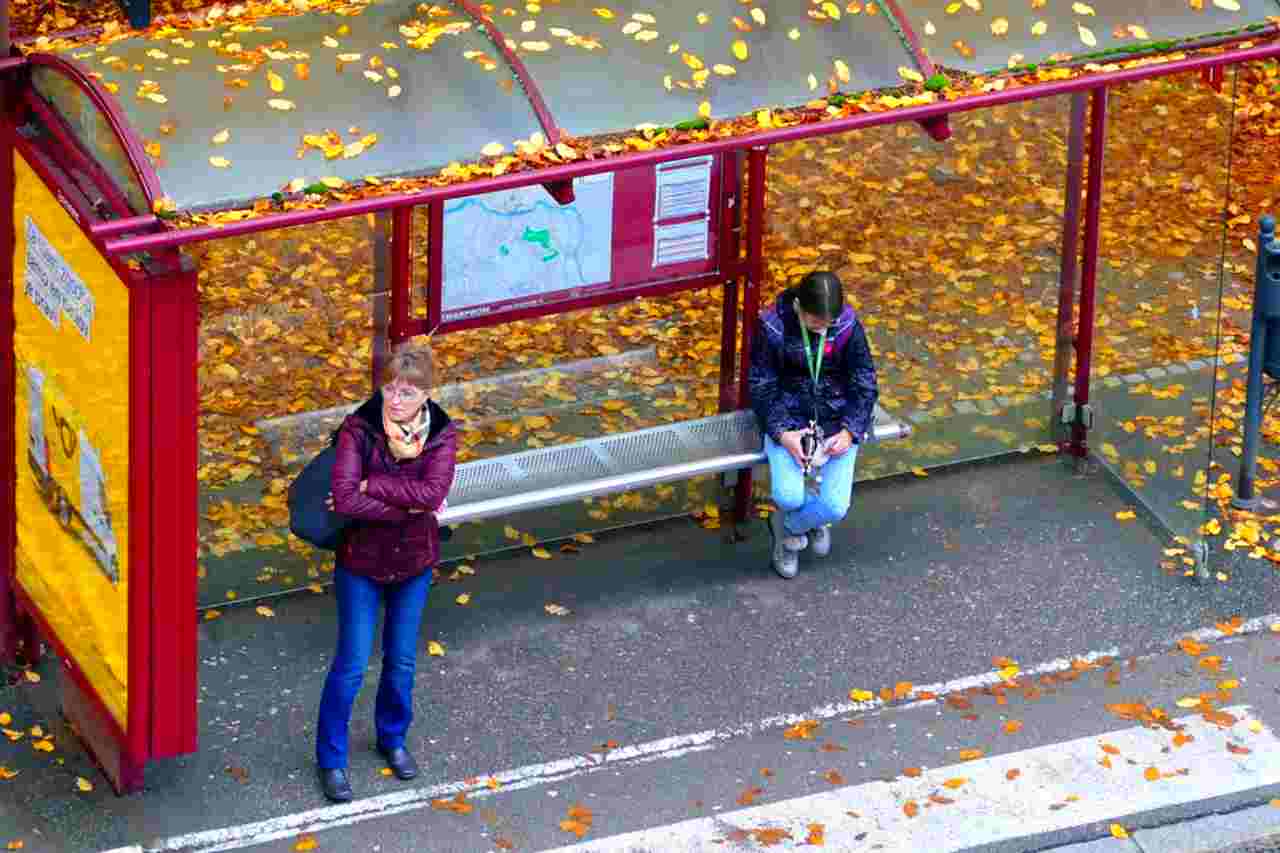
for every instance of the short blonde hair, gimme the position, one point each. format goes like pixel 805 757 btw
pixel 413 362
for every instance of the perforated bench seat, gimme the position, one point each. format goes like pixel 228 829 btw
pixel 601 466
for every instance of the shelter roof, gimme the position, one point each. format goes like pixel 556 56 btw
pixel 236 104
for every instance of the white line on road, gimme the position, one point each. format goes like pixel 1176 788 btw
pixel 330 817
pixel 1056 787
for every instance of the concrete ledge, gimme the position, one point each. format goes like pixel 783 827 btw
pixel 1212 832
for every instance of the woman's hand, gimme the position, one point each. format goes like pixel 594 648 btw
pixel 328 501
pixel 840 443
pixel 791 441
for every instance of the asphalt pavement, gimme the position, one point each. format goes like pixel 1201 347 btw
pixel 668 688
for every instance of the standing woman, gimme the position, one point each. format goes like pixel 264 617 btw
pixel 813 389
pixel 394 467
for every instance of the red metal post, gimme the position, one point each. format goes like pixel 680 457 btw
pixel 435 263
pixel 1065 344
pixel 757 160
pixel 401 272
pixel 8 407
pixel 171 570
pixel 1089 267
pixel 730 264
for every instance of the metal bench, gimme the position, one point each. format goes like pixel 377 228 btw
pixel 617 463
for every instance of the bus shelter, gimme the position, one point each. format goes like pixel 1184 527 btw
pixel 504 165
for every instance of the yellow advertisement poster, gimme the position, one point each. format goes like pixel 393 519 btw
pixel 72 346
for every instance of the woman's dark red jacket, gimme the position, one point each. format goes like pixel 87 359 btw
pixel 388 543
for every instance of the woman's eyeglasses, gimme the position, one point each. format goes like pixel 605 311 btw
pixel 401 392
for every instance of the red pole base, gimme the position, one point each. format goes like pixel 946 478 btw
pixel 125 775
pixel 742 496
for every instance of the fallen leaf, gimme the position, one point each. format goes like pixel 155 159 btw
pixel 970 754
pixel 1118 831
pixel 861 695
pixel 435 649
pixel 1151 774
pixel 955 783
pixel 281 104
pixel 1013 774
pixel 464 599
pixel 556 609
pixel 910 809
pixel 83 784
pixel 834 777
pixel 1012 726
pixel 542 553
pixel 1238 750
pixel 305 843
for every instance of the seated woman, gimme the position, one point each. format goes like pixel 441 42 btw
pixel 394 466
pixel 813 389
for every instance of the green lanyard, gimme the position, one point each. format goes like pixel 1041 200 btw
pixel 814 361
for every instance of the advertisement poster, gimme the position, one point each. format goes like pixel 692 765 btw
pixel 72 345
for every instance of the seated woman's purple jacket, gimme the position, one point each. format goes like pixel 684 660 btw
pixel 388 543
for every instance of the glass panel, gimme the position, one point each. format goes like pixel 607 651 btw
pixel 571 51
pixel 285 344
pixel 950 253
pixel 90 127
pixel 957 36
pixel 1159 291
pixel 351 106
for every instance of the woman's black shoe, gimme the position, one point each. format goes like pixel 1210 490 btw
pixel 400 762
pixel 336 787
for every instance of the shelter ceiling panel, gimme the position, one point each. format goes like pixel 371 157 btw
pixel 611 66
pixel 234 113
pixel 981 35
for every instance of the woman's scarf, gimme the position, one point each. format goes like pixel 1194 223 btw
pixel 406 440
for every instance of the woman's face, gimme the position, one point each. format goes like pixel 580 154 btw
pixel 402 400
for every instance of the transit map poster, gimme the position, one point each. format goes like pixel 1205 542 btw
pixel 514 249
pixel 72 346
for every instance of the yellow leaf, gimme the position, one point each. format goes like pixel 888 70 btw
pixel 333 183
pixel 704 109
pixel 435 649
pixel 1000 27
pixel 281 104
pixel 584 538
pixel 394 91
pixel 859 258
pixel 1118 831
pixel 464 599
pixel 757 15
pixel 275 81
pixel 265 611
pixel 221 136
pixel 43 745
pixel 6 774
pixel 1188 702
pixel 919 472
pixel 1255 726
pixel 1008 673
pixel 84 784
pixel 220 162
pixel 306 843
pixel 1229 5
pixel 910 74
pixel 842 71
pixel 740 50
pixel 1087 36
pixel 493 149
pixel 542 553
pixel 33 677
pixel 955 783
pixel 1126 515
pixel 607 14
pixel 861 695
pixel 5 719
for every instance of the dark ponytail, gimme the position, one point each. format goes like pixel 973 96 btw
pixel 821 294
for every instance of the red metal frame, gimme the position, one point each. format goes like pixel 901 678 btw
pixel 517 66
pixel 107 104
pixel 1089 267
pixel 757 163
pixel 401 272
pixel 919 113
pixel 8 404
pixel 730 251
pixel 170 450
pixel 435 264
pixel 1070 254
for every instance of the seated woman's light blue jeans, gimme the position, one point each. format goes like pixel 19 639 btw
pixel 802 510
pixel 358 605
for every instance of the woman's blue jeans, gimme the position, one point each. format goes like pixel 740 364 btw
pixel 358 599
pixel 803 511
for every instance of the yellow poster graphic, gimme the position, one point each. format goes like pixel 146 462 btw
pixel 72 346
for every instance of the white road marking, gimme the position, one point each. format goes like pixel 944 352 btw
pixel 1058 786
pixel 330 817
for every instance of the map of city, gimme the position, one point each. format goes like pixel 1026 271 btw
pixel 521 244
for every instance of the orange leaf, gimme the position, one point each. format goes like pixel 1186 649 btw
pixel 910 809
pixel 953 784
pixel 1109 749
pixel 970 754
pixel 748 796
pixel 834 777
pixel 1151 774
pixel 1181 739
pixel 911 772
pixel 1013 774
pixel 1012 726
